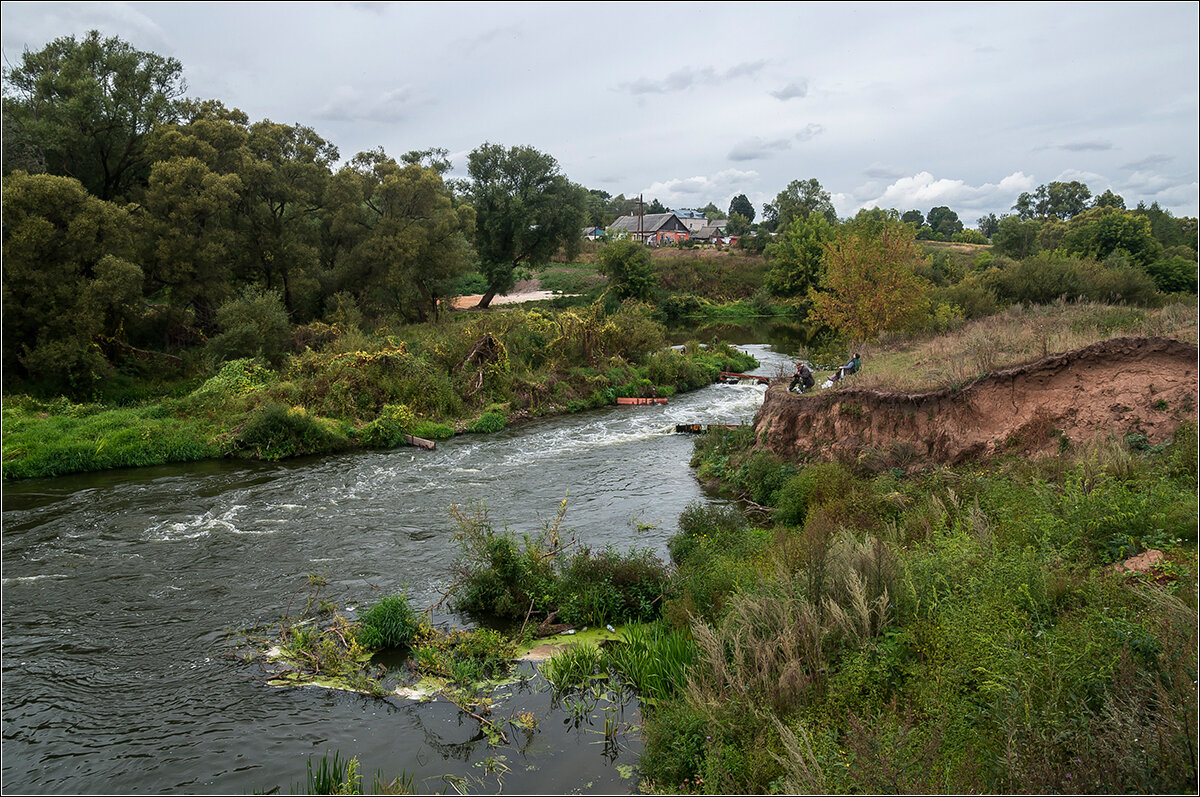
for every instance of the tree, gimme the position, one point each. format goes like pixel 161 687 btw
pixel 405 239
pixel 869 285
pixel 67 281
pixel 711 212
pixel 83 109
pixel 737 224
pixel 1099 232
pixel 801 198
pixel 913 217
pixel 944 222
pixel 1109 200
pixel 1016 237
pixel 657 207
pixel 740 204
pixel 1060 200
pixel 629 269
pixel 797 256
pixel 525 210
pixel 988 224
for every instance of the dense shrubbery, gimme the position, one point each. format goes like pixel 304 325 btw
pixel 928 633
pixel 390 624
pixel 503 576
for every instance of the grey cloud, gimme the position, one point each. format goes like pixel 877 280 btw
pixel 686 78
pixel 791 91
pixel 882 173
pixel 757 148
pixel 348 104
pixel 1147 162
pixel 810 131
pixel 1087 146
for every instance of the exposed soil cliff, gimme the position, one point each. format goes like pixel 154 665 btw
pixel 1121 386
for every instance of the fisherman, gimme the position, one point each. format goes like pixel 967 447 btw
pixel 803 377
pixel 852 366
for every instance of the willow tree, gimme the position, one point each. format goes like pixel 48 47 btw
pixel 525 210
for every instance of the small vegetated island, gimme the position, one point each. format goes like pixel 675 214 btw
pixel 969 567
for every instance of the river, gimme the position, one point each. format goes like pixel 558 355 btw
pixel 121 589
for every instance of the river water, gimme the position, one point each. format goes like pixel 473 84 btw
pixel 121 589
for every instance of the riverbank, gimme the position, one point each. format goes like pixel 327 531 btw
pixel 474 372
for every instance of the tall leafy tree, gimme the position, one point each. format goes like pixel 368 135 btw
pixel 1108 200
pixel 83 109
pixel 711 212
pixel 67 280
pixel 988 224
pixel 525 210
pixel 740 204
pixel 801 199
pixel 1058 200
pixel 869 284
pixel 407 238
pixel 657 207
pixel 797 256
pixel 1101 231
pixel 284 176
pixel 913 217
pixel 1016 237
pixel 629 269
pixel 944 222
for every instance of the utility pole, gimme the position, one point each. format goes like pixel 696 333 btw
pixel 641 220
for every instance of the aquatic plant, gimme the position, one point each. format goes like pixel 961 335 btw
pixel 389 624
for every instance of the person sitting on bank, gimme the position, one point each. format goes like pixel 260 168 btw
pixel 802 377
pixel 851 367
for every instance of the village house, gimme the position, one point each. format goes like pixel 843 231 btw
pixel 655 228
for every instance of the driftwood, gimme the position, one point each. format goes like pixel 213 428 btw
pixel 549 628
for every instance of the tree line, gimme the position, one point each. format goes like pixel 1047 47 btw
pixel 132 214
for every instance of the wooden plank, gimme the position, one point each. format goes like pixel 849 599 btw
pixel 697 428
pixel 640 401
pixel 762 380
pixel 420 442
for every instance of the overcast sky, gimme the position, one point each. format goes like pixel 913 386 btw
pixel 897 105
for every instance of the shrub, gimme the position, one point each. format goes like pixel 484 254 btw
pixel 813 486
pixel 274 431
pixel 254 324
pixel 390 624
pixel 488 422
pixel 389 428
pixel 610 587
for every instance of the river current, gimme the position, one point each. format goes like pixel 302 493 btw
pixel 121 589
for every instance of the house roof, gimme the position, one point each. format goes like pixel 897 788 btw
pixel 708 232
pixel 651 222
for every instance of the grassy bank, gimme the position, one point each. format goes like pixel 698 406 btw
pixel 470 373
pixel 960 631
pixel 1018 335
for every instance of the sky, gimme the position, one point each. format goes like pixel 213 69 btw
pixel 894 105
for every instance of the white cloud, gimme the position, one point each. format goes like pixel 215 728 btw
pixel 719 188
pixel 690 77
pixel 923 191
pixel 809 132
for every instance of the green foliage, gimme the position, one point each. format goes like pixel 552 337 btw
pixel 67 281
pixel 255 324
pixel 597 588
pixel 814 486
pixel 465 657
pixel 574 666
pixel 489 422
pixel 339 776
pixel 525 211
pixel 276 431
pixel 654 659
pixel 629 268
pixel 797 255
pixel 1174 274
pixel 389 427
pixel 390 624
pixel 1044 278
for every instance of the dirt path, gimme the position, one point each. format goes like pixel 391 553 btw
pixel 523 291
pixel 1120 386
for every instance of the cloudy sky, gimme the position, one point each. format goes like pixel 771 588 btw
pixel 896 105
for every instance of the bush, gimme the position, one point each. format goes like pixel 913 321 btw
pixel 488 422
pixel 610 587
pixel 390 624
pixel 254 324
pixel 629 269
pixel 389 428
pixel 813 486
pixel 274 431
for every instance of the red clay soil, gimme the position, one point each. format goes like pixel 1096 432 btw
pixel 1116 387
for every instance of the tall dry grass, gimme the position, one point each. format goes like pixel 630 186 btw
pixel 1019 335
